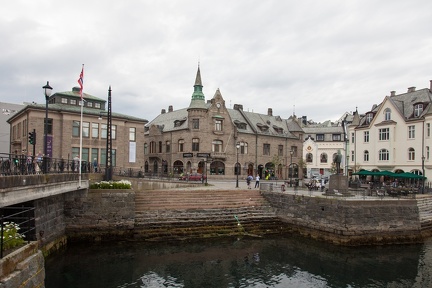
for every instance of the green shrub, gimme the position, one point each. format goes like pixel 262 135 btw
pixel 11 236
pixel 122 184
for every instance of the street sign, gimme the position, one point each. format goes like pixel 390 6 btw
pixel 205 155
pixel 187 155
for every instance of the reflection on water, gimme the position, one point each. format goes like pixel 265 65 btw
pixel 271 262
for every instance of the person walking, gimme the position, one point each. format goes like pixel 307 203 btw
pixel 95 165
pixel 248 181
pixel 257 179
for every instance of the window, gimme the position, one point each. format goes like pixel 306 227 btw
pixel 294 149
pixel 323 158
pixel 366 156
pixel 95 130
pixel 336 137
pixel 218 125
pixel 180 145
pixel 152 147
pixel 217 146
pixel 73 102
pixel 243 148
pixel 97 105
pixel 145 148
pixel 411 154
pixel 366 136
pixel 195 123
pixel 86 129
pixel 114 131
pixel 113 156
pixel 195 144
pixel 64 100
pixel 418 110
pixel 94 154
pixel 428 129
pixel 352 156
pixel 280 150
pixel 383 155
pixel 132 134
pixel 89 104
pixel 369 118
pixel 167 146
pixel 384 134
pixel 50 125
pixel 75 128
pixel 427 152
pixel 266 149
pixel 160 147
pixel 352 137
pixel 319 137
pixel 104 131
pixel 387 114
pixel 411 132
pixel 309 157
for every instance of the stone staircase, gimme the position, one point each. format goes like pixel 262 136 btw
pixel 181 214
pixel 425 211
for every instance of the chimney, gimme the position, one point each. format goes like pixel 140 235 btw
pixel 270 112
pixel 170 108
pixel 411 89
pixel 304 120
pixel 238 107
pixel 163 111
pixel 392 93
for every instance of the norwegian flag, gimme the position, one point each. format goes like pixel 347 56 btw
pixel 81 82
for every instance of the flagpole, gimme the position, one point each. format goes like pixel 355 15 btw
pixel 81 82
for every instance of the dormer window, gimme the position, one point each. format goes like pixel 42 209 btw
pixel 418 109
pixel 278 130
pixel 178 123
pixel 369 118
pixel 263 128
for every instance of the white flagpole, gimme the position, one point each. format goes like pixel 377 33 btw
pixel 81 120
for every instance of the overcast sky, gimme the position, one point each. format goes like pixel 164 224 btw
pixel 310 58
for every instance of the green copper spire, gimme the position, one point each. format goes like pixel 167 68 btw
pixel 198 94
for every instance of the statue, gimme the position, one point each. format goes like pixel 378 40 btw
pixel 337 161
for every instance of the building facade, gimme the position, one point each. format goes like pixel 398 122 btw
pixel 208 137
pixel 7 110
pixel 394 135
pixel 64 131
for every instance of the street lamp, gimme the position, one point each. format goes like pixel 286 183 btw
pixel 291 168
pixel 237 164
pixel 47 91
pixel 423 171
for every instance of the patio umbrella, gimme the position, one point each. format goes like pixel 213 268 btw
pixel 364 172
pixel 408 175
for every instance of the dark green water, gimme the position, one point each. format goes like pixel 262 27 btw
pixel 260 262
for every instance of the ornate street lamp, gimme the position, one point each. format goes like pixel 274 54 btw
pixel 237 165
pixel 291 168
pixel 47 92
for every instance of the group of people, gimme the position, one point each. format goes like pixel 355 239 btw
pixel 249 180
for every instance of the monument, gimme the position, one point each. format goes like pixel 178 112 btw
pixel 338 183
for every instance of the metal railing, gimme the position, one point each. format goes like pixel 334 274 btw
pixel 16 164
pixel 23 218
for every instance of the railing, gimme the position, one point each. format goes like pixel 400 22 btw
pixel 21 217
pixel 15 164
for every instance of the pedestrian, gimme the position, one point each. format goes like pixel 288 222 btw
pixel 76 163
pixel 95 165
pixel 248 181
pixel 257 179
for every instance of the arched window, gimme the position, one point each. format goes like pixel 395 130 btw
pixel 411 153
pixel 323 158
pixel 387 114
pixel 309 157
pixel 366 156
pixel 243 148
pixel 217 168
pixel 383 155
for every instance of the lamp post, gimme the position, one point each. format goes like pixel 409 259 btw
pixel 291 168
pixel 423 171
pixel 47 91
pixel 237 165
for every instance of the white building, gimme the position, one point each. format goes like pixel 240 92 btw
pixel 394 135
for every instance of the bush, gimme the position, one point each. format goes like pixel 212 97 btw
pixel 11 237
pixel 122 184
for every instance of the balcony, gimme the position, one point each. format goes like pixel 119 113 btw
pixel 218 155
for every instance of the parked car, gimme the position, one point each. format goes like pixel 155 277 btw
pixel 193 177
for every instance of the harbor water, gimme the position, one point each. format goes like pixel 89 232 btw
pixel 283 261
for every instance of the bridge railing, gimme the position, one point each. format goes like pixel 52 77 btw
pixel 20 164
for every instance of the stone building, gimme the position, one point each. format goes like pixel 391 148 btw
pixel 208 132
pixel 7 110
pixel 394 135
pixel 64 113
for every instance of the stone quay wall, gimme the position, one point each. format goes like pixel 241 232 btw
pixel 99 214
pixel 23 268
pixel 349 222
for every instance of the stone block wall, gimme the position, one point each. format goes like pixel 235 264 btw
pixel 349 222
pixel 99 214
pixel 23 268
pixel 49 218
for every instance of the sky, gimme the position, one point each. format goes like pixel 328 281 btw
pixel 318 59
